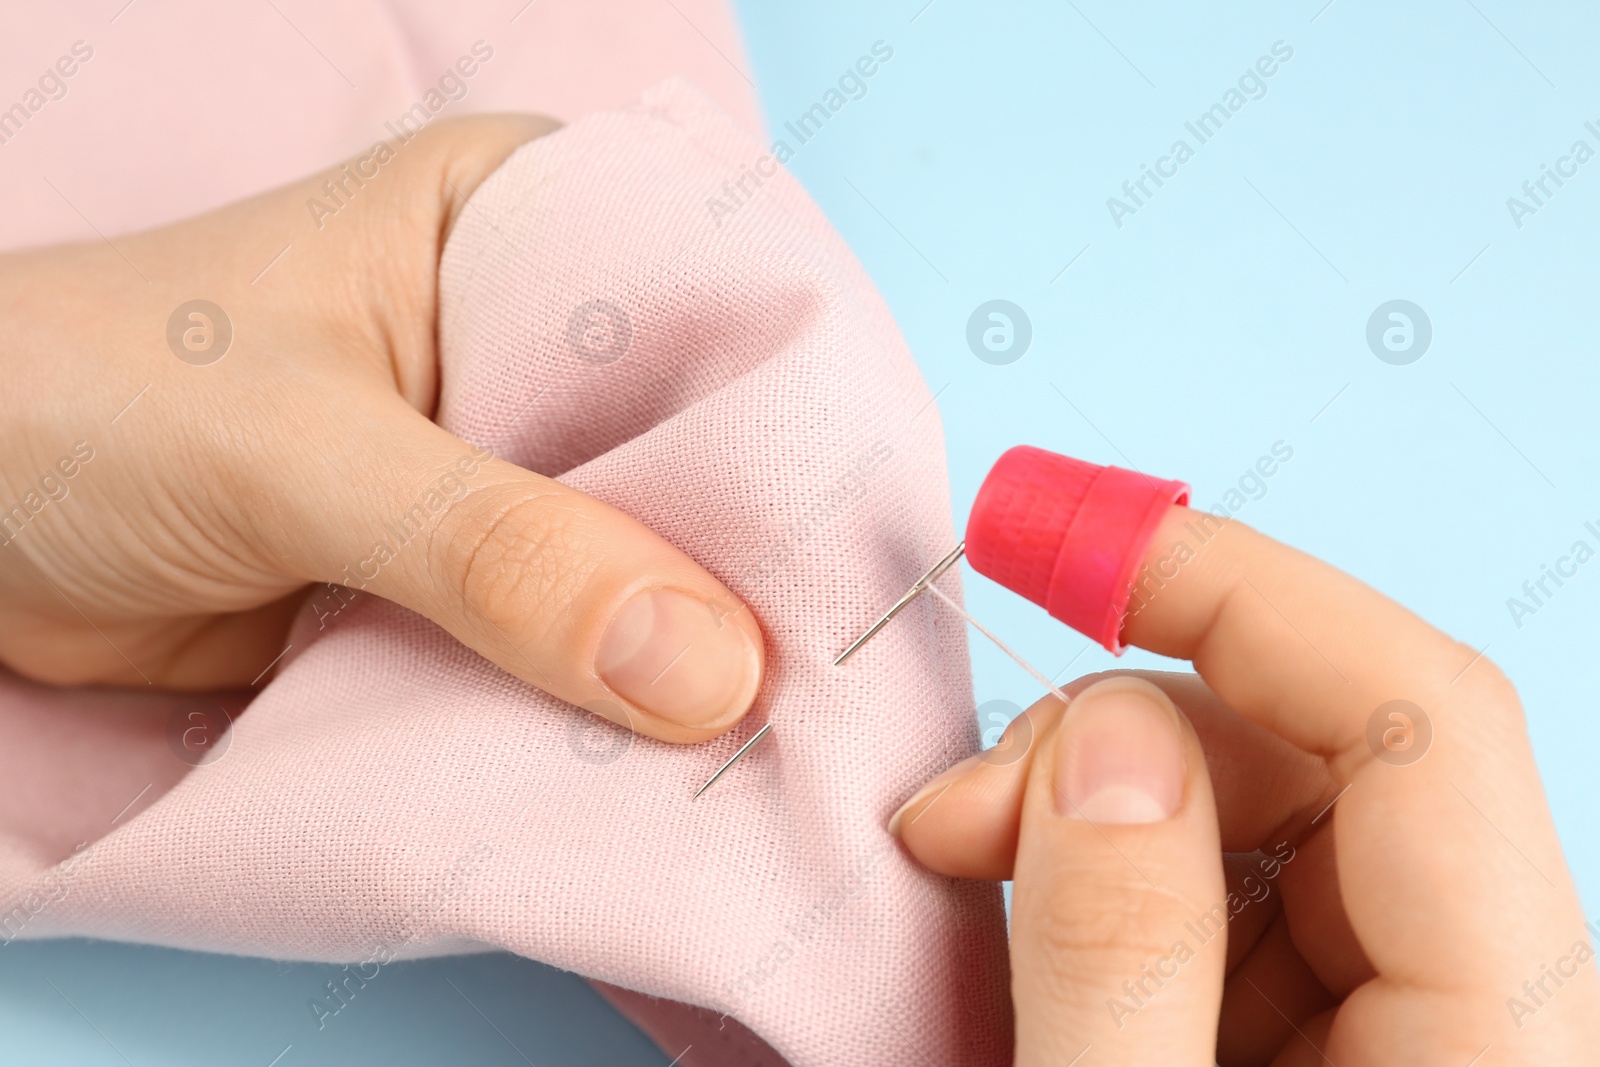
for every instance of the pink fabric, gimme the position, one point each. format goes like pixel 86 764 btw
pixel 190 104
pixel 692 1035
pixel 390 794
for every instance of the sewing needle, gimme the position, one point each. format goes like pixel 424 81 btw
pixel 916 590
pixel 735 758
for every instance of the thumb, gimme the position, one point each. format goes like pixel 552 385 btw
pixel 1118 937
pixel 552 585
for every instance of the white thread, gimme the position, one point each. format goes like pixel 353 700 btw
pixel 1001 645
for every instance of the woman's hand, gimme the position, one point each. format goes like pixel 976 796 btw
pixel 1330 848
pixel 163 510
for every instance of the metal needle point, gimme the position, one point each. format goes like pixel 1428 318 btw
pixel 916 590
pixel 735 758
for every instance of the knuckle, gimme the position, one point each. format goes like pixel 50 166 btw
pixel 1119 922
pixel 516 561
pixel 466 144
pixel 1495 684
pixel 1484 691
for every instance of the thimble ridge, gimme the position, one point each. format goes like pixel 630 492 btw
pixel 1068 535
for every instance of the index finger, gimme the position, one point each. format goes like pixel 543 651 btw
pixel 1433 840
pixel 1285 639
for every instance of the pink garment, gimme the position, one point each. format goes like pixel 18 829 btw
pixel 190 104
pixel 390 794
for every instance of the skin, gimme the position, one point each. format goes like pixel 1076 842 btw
pixel 1409 913
pixel 1406 918
pixel 184 548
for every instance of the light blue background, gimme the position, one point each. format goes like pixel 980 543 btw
pixel 1223 317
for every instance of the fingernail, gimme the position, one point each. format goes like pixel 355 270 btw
pixel 680 658
pixel 924 798
pixel 1119 760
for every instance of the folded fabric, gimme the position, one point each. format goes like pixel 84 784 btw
pixel 731 379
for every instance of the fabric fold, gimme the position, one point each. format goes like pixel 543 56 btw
pixel 733 381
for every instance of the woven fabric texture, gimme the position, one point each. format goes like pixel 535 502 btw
pixel 733 381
